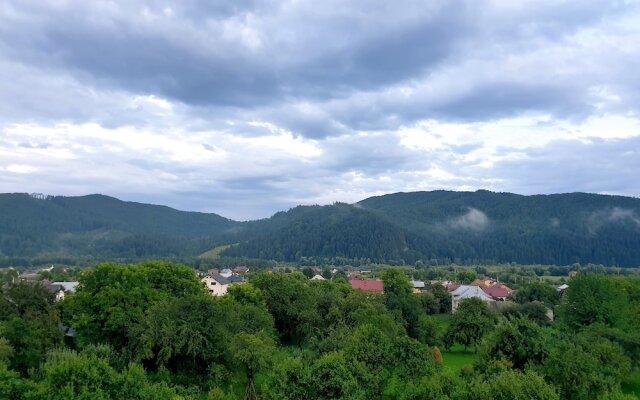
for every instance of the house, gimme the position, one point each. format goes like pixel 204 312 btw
pixel 226 272
pixel 235 279
pixel 216 284
pixel 213 271
pixel 241 269
pixel 498 292
pixel 30 276
pixel 369 285
pixel 418 286
pixel 318 277
pixel 452 286
pixel 467 292
pixel 60 288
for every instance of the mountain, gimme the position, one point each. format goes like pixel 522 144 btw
pixel 447 226
pixel 464 227
pixel 102 227
pixel 487 226
pixel 340 230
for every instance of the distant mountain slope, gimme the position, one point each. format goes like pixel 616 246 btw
pixel 339 230
pixel 551 229
pixel 462 227
pixel 101 225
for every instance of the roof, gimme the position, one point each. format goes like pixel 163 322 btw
pixel 317 277
pixel 53 288
pixel 235 279
pixel 483 283
pixel 225 271
pixel 219 278
pixel 241 268
pixel 372 285
pixel 467 292
pixel 67 286
pixel 495 291
pixel 563 287
pixel 453 286
pixel 418 284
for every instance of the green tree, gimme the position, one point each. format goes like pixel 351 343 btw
pixel 465 276
pixel 29 323
pixel 251 352
pixel 537 291
pixel 471 321
pixel 246 294
pixel 428 331
pixel 518 341
pixel 594 299
pixel 112 297
pixel 398 295
pixel 443 297
pixel 536 312
pixel 290 303
pixel 308 272
pixel 509 385
pixel 584 369
pixel 189 335
pixel 331 378
pixel 429 303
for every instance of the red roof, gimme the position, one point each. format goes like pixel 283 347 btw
pixel 496 292
pixel 368 285
pixel 453 286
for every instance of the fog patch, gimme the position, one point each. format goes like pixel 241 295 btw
pixel 613 215
pixel 473 219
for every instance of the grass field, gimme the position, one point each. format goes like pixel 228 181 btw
pixel 215 252
pixel 457 357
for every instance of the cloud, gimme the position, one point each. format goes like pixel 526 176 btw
pixel 615 215
pixel 253 106
pixel 473 220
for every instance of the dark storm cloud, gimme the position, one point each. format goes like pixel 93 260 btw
pixel 185 52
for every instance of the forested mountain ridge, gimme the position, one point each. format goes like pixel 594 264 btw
pixel 487 226
pixel 102 225
pixel 463 227
pixel 339 230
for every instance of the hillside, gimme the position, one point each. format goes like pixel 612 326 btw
pixel 102 227
pixel 549 229
pixel 339 230
pixel 446 226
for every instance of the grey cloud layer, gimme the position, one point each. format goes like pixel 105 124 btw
pixel 200 103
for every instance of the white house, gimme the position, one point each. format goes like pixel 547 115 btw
pixel 216 284
pixel 468 292
pixel 60 288
pixel 226 272
pixel 317 277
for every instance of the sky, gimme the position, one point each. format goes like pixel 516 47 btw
pixel 248 107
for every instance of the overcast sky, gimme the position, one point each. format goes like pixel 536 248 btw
pixel 248 107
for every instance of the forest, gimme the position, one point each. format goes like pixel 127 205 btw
pixel 151 331
pixel 439 227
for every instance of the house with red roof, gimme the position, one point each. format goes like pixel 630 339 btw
pixel 368 285
pixel 498 292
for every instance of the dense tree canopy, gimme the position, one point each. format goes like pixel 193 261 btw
pixel 151 331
